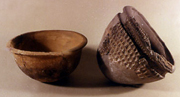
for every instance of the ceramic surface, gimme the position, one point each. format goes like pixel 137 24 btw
pixel 49 55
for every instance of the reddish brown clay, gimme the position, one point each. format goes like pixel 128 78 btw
pixel 131 52
pixel 47 56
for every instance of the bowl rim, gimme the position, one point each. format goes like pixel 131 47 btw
pixel 35 53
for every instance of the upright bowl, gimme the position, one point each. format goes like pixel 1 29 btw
pixel 49 55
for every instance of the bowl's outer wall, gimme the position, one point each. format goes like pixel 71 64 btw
pixel 48 68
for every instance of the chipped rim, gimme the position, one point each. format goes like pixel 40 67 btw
pixel 34 53
pixel 169 66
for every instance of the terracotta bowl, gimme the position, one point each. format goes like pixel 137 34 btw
pixel 47 56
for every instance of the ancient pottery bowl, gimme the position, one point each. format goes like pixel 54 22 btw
pixel 47 56
pixel 131 52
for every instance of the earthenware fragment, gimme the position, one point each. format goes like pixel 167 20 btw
pixel 131 52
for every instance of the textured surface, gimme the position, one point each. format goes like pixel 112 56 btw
pixel 131 52
pixel 89 17
pixel 121 60
pixel 120 47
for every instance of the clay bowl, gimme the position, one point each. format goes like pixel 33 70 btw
pixel 47 56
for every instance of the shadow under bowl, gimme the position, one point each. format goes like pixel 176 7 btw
pixel 48 55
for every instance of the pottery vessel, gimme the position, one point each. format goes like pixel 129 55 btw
pixel 49 55
pixel 131 52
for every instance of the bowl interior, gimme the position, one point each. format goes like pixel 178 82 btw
pixel 49 41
